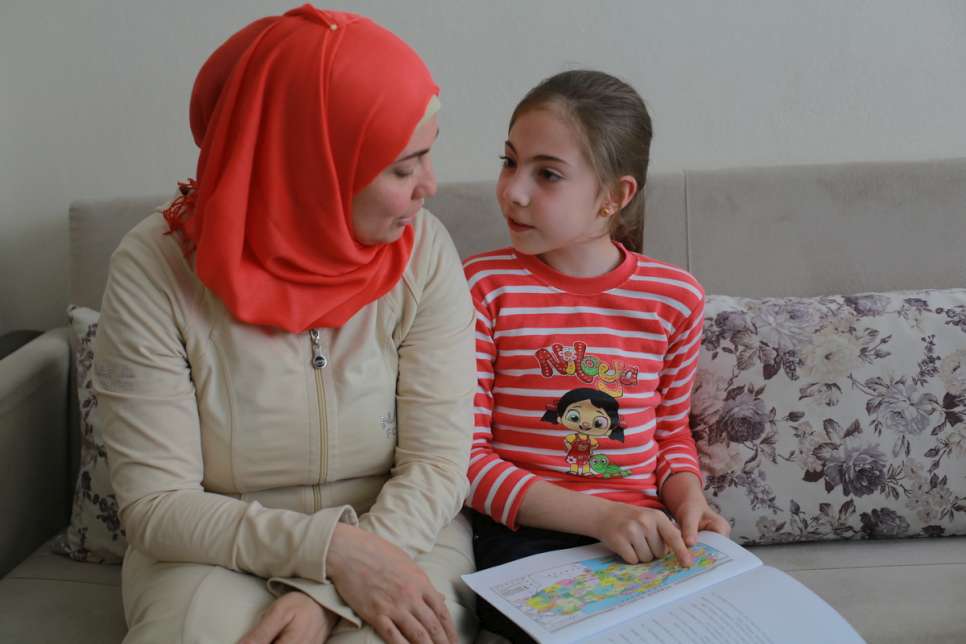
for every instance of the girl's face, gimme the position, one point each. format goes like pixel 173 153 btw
pixel 548 191
pixel 584 417
pixel 382 210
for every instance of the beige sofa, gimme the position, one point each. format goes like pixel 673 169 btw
pixel 782 231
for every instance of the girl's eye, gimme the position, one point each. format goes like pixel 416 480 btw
pixel 573 417
pixel 550 176
pixel 600 422
pixel 402 173
pixel 508 162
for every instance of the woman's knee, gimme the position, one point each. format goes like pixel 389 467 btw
pixel 180 602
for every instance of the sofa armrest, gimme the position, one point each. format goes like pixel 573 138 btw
pixel 34 444
pixel 13 340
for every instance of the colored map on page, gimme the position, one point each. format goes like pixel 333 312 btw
pixel 564 595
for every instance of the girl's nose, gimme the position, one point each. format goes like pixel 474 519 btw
pixel 515 191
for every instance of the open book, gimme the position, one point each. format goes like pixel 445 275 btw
pixel 727 596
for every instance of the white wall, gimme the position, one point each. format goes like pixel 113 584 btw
pixel 94 94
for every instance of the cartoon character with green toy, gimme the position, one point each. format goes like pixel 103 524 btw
pixel 601 464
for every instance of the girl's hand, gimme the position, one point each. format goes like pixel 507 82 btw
pixel 698 515
pixel 640 534
pixel 683 496
pixel 293 618
pixel 388 589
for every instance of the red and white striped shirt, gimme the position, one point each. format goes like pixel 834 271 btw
pixel 563 362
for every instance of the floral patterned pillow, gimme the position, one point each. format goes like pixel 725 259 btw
pixel 94 533
pixel 838 417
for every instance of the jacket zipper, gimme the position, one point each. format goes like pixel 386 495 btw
pixel 319 362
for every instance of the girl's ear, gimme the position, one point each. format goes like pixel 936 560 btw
pixel 626 189
pixel 619 196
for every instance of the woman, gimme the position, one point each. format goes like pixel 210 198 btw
pixel 285 359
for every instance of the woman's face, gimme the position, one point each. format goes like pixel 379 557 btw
pixel 382 210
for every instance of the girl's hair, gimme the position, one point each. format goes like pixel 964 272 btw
pixel 615 126
pixel 598 398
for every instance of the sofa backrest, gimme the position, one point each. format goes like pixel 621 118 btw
pixel 811 414
pixel 824 229
pixel 774 231
pixel 96 228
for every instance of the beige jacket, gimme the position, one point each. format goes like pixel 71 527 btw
pixel 228 446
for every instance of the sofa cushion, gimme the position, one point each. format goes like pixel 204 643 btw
pixel 835 417
pixel 51 599
pixel 891 591
pixel 94 533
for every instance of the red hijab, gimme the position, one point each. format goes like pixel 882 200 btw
pixel 294 115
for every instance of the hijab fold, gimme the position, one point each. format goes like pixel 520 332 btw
pixel 294 115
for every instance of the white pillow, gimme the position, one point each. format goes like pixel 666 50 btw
pixel 94 533
pixel 834 417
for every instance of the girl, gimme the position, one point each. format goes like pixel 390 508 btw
pixel 573 306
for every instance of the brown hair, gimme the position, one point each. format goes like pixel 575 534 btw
pixel 615 126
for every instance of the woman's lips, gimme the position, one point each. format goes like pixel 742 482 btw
pixel 407 220
pixel 410 218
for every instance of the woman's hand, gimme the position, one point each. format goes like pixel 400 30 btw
pixel 640 534
pixel 387 588
pixel 293 618
pixel 683 496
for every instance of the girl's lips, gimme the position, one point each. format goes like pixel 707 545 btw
pixel 517 226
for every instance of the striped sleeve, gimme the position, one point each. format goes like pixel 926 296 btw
pixel 497 487
pixel 676 449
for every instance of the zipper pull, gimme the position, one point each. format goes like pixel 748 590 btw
pixel 318 358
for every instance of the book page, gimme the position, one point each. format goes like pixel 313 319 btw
pixel 762 606
pixel 564 595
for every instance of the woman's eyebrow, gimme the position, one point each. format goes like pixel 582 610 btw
pixel 538 157
pixel 418 153
pixel 412 156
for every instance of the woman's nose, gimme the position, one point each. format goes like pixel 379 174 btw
pixel 427 184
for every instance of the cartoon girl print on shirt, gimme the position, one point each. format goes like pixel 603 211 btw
pixel 590 414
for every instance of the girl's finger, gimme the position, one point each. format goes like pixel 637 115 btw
pixel 671 536
pixel 626 551
pixel 689 527
pixel 642 548
pixel 717 523
pixel 655 542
